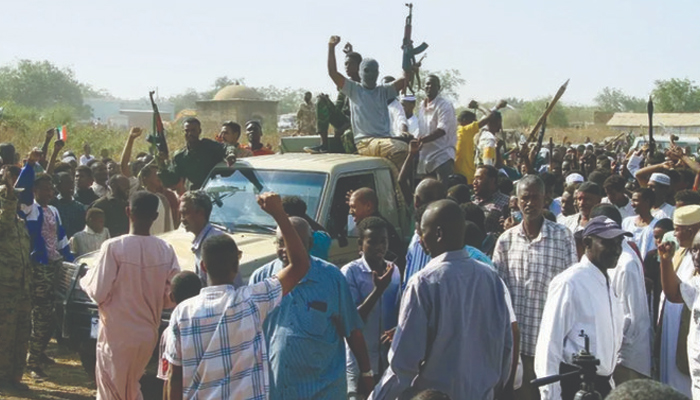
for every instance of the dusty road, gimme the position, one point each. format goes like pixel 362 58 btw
pixel 68 381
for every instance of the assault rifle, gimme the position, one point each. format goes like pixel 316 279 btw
pixel 410 52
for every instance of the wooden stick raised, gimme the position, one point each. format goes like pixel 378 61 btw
pixel 543 117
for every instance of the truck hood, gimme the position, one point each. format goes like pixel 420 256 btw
pixel 258 250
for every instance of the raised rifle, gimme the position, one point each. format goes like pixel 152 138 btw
pixel 650 113
pixel 157 138
pixel 410 52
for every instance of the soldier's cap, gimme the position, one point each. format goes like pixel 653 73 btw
pixel 602 227
pixel 686 215
pixel 590 188
pixel 660 178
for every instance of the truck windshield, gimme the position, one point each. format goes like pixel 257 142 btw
pixel 233 194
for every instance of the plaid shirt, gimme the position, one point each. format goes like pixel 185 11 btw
pixel 217 338
pixel 527 267
pixel 497 201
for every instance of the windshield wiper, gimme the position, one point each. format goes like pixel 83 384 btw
pixel 264 228
pixel 220 227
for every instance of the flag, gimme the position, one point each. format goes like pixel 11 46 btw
pixel 62 132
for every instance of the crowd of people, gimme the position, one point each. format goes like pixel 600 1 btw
pixel 520 258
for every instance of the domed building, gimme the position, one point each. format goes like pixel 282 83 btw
pixel 236 103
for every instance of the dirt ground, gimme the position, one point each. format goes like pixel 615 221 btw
pixel 68 381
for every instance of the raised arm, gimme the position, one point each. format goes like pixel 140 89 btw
pixel 670 282
pixel 297 254
pixel 336 76
pixel 57 147
pixel 644 174
pixel 402 82
pixel 405 175
pixel 45 147
pixel 380 285
pixel 126 153
pixel 491 115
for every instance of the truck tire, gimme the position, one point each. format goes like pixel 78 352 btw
pixel 88 356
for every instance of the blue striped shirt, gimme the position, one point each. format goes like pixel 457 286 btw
pixel 417 259
pixel 305 334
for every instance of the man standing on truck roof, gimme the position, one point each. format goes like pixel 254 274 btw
pixel 371 124
pixel 336 114
pixel 131 285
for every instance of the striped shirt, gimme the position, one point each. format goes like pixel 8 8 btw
pixel 306 334
pixel 87 241
pixel 527 267
pixel 217 338
pixel 417 259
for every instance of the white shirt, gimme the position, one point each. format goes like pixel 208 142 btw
pixel 100 190
pixel 87 241
pixel 85 160
pixel 572 222
pixel 627 282
pixel 665 211
pixel 689 291
pixel 625 211
pixel 643 235
pixel 579 298
pixel 413 126
pixel 398 118
pixel 437 114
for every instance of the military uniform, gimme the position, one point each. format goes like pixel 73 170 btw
pixel 15 280
pixel 337 115
pixel 306 119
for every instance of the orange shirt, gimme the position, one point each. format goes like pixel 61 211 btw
pixel 263 151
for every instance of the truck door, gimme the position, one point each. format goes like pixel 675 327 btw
pixel 344 247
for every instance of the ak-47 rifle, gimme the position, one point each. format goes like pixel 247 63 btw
pixel 549 109
pixel 410 52
pixel 650 113
pixel 157 138
pixel 551 153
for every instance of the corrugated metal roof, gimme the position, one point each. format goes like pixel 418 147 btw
pixel 634 120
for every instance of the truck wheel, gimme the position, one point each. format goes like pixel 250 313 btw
pixel 88 356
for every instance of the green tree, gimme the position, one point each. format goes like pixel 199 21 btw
pixel 186 100
pixel 41 85
pixel 676 95
pixel 532 110
pixel 615 100
pixel 288 98
pixel 450 82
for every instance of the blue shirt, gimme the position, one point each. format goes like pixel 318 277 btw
pixel 369 114
pixel 417 259
pixel 454 332
pixel 208 231
pixel 360 280
pixel 321 246
pixel 306 333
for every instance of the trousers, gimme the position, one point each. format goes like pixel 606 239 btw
pixel 43 315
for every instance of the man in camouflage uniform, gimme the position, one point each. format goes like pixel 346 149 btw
pixel 306 116
pixel 49 248
pixel 15 278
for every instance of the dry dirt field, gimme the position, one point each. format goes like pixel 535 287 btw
pixel 68 381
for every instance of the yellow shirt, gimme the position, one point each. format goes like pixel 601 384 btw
pixel 464 150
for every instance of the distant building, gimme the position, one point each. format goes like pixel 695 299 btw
pixel 237 103
pixel 664 123
pixel 127 113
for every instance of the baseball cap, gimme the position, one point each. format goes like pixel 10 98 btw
pixel 602 227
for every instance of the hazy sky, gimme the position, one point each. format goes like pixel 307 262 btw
pixel 505 48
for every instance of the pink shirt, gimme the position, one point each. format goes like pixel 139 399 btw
pixel 130 283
